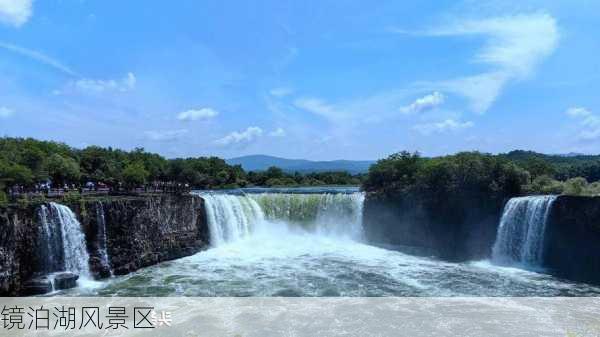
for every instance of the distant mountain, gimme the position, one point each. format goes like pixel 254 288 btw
pixel 263 162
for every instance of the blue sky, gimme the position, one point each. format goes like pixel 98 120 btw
pixel 303 79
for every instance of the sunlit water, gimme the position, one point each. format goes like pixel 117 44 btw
pixel 282 258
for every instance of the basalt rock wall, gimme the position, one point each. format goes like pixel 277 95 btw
pixel 122 234
pixel 142 231
pixel 572 239
pixel 456 230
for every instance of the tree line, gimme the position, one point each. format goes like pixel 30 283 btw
pixel 479 174
pixel 28 163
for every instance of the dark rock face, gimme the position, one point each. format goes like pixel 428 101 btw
pixel 131 233
pixel 18 248
pixel 572 240
pixel 456 230
pixel 65 280
pixel 36 286
pixel 143 231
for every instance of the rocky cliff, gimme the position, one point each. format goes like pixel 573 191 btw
pixel 142 231
pixel 122 234
pixel 18 242
pixel 453 229
pixel 572 240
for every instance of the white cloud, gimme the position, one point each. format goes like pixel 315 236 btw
pixel 15 12
pixel 589 123
pixel 425 103
pixel 99 86
pixel 318 107
pixel 6 112
pixel 448 125
pixel 197 114
pixel 281 92
pixel 39 57
pixel 279 132
pixel 240 138
pixel 515 46
pixel 578 112
pixel 165 135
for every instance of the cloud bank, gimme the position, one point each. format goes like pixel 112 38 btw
pixel 515 46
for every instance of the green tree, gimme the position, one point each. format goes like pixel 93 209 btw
pixel 15 174
pixel 62 170
pixel 538 167
pixel 274 172
pixel 395 173
pixel 135 175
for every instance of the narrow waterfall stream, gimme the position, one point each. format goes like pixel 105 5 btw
pixel 520 238
pixel 102 245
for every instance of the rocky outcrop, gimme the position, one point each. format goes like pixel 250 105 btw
pixel 572 240
pixel 453 229
pixel 65 280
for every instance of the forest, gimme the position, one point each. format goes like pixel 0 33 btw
pixel 509 174
pixel 27 163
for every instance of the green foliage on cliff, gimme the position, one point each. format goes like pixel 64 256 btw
pixel 573 186
pixel 464 175
pixel 559 167
pixel 473 173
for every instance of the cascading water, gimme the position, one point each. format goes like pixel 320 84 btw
pixel 520 237
pixel 51 252
pixel 231 217
pixel 102 247
pixel 326 214
pixel 64 242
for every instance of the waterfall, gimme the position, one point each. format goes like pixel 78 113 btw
pixel 520 237
pixel 337 214
pixel 51 252
pixel 63 243
pixel 232 217
pixel 102 246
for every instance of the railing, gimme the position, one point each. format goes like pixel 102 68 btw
pixel 60 192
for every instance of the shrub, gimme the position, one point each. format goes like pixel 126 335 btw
pixel 3 199
pixel 72 197
pixel 575 186
pixel 544 184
